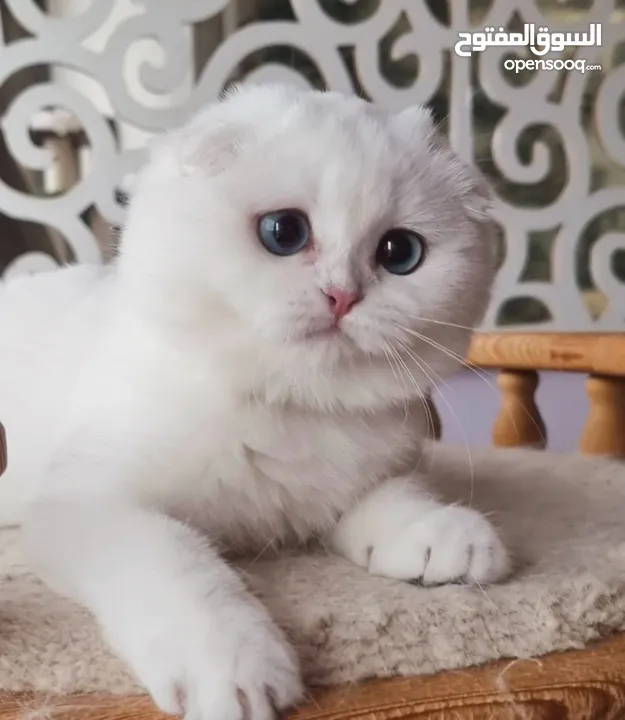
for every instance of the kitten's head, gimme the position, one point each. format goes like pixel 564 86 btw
pixel 327 233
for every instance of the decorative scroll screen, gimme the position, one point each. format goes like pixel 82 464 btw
pixel 106 74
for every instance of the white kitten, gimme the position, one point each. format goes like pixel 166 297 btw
pixel 249 370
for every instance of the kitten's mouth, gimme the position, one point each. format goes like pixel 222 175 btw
pixel 328 331
pixel 332 338
pixel 323 333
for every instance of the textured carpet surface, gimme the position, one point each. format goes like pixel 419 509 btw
pixel 563 517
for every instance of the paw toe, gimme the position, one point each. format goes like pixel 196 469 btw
pixel 490 563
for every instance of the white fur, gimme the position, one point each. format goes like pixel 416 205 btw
pixel 171 406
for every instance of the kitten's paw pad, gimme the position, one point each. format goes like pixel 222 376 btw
pixel 226 667
pixel 449 544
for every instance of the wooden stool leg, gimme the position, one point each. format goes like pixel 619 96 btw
pixel 604 433
pixel 519 422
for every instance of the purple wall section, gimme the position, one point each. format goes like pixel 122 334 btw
pixel 469 405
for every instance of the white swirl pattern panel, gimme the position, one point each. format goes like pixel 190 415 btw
pixel 97 43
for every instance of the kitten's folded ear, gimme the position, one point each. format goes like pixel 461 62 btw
pixel 206 144
pixel 416 125
pixel 475 190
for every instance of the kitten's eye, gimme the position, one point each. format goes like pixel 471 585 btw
pixel 284 232
pixel 400 251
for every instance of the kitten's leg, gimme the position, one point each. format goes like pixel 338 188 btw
pixel 168 604
pixel 399 531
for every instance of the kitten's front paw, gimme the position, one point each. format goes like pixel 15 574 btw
pixel 231 663
pixel 447 544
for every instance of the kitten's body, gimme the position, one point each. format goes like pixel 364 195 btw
pixel 49 325
pixel 201 384
pixel 266 471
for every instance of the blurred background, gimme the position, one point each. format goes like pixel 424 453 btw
pixel 85 83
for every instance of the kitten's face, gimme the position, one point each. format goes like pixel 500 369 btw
pixel 328 228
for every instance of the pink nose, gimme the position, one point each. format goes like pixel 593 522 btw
pixel 341 301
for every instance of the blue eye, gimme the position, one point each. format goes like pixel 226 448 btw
pixel 284 232
pixel 400 251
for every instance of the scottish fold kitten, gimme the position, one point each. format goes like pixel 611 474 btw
pixel 249 370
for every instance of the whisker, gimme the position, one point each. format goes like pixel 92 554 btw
pixel 476 371
pixel 430 426
pixel 489 599
pixel 397 379
pixel 428 413
pixel 425 402
pixel 409 352
pixel 421 363
pixel 389 349
pixel 442 322
pixel 402 365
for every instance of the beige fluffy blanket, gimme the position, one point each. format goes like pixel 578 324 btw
pixel 563 516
